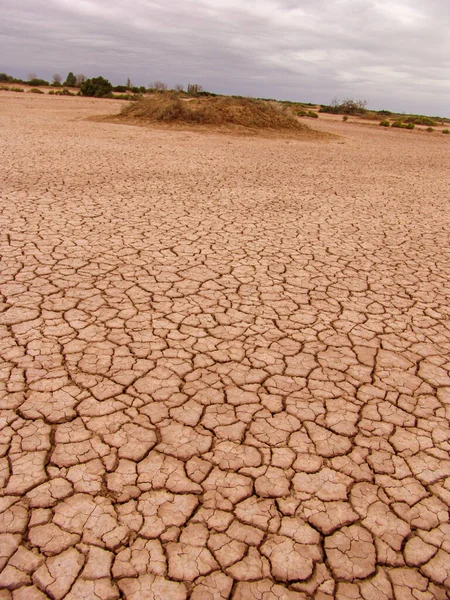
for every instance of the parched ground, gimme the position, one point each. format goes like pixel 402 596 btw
pixel 225 361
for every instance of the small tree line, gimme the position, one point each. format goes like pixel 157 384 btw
pixel 101 87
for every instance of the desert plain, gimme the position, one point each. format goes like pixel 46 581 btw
pixel 224 360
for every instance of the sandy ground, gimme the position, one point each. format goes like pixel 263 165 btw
pixel 225 361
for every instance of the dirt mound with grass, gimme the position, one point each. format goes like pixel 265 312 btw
pixel 218 112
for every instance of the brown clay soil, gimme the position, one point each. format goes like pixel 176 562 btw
pixel 225 361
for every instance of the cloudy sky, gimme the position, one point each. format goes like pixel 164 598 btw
pixel 393 53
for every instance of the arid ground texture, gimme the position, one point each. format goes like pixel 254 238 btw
pixel 224 360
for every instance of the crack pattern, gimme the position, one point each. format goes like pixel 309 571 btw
pixel 225 362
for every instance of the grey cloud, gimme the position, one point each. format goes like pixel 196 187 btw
pixel 394 53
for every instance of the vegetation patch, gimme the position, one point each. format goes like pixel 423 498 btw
pixel 35 91
pixel 219 111
pixel 307 113
pixel 419 120
pixel 384 123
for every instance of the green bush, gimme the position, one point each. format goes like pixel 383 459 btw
pixel 52 93
pixel 419 120
pixel 430 129
pixel 345 118
pixel 307 113
pixel 446 131
pixel 36 81
pixel 16 89
pixel 36 91
pixel 385 123
pixel 99 87
pixel 410 126
pixel 398 124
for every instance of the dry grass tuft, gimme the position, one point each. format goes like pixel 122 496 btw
pixel 218 111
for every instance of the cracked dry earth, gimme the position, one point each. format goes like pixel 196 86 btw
pixel 225 362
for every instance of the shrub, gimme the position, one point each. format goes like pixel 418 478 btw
pixel 122 89
pixel 36 91
pixel 385 113
pixel 307 113
pixel 16 89
pixel 446 131
pixel 346 107
pixel 419 120
pixel 430 129
pixel 384 123
pixel 52 93
pixel 345 118
pixel 398 124
pixel 35 81
pixel 99 87
pixel 64 92
pixel 410 126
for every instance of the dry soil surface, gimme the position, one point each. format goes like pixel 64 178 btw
pixel 225 361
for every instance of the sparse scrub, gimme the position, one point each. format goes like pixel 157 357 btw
pixel 345 118
pixel 127 96
pixel 401 125
pixel 307 113
pixel 430 129
pixel 446 131
pixel 346 107
pixel 158 86
pixel 419 120
pixel 384 123
pixel 219 111
pixel 64 92
pixel 36 91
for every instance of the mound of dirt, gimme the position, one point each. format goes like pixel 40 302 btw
pixel 221 112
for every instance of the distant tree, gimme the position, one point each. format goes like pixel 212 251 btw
pixel 179 87
pixel 128 83
pixel 4 77
pixel 71 80
pixel 57 79
pixel 158 86
pixel 97 86
pixel 194 89
pixel 79 79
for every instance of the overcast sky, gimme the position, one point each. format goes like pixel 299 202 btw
pixel 393 53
